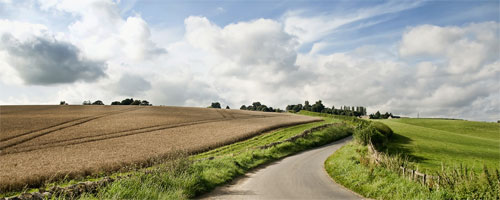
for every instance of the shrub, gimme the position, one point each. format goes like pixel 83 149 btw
pixel 363 135
pixel 382 128
pixel 370 134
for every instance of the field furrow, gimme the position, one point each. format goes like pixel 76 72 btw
pixel 101 139
pixel 24 137
pixel 81 140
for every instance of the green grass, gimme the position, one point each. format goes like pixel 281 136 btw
pixel 433 142
pixel 260 140
pixel 489 130
pixel 182 178
pixel 371 181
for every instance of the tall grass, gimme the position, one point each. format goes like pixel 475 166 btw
pixel 350 167
pixel 463 183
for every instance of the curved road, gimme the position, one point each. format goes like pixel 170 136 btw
pixel 300 176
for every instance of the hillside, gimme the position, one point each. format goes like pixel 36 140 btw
pixel 433 142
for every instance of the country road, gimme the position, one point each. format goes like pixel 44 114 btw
pixel 301 176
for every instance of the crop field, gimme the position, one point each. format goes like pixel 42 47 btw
pixel 40 143
pixel 433 142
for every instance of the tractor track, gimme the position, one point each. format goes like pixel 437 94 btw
pixel 118 134
pixel 40 129
pixel 25 137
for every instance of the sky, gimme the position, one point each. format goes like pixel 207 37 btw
pixel 427 58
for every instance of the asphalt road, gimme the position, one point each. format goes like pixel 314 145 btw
pixel 301 176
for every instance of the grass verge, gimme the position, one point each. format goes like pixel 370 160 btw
pixel 183 178
pixel 346 168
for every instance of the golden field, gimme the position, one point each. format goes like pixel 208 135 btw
pixel 41 143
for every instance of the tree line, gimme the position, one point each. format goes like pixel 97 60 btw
pixel 129 101
pixel 319 107
pixel 257 106
pixel 386 115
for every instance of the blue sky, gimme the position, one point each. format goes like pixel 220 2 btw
pixel 436 58
pixel 383 27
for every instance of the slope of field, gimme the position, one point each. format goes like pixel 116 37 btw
pixel 38 143
pixel 432 142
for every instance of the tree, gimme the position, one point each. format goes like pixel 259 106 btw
pixel 127 101
pixel 87 102
pixel 136 102
pixel 243 107
pixel 145 103
pixel 115 103
pixel 263 108
pixel 63 103
pixel 256 106
pixel 227 107
pixel 98 102
pixel 317 107
pixel 215 105
pixel 377 115
pixel 307 106
pixel 297 108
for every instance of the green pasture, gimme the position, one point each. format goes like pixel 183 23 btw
pixel 433 143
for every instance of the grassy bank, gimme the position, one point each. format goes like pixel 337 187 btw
pixel 187 177
pixel 346 168
pixel 433 142
pixel 469 152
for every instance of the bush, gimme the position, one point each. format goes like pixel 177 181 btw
pixel 382 128
pixel 363 135
pixel 378 139
pixel 370 134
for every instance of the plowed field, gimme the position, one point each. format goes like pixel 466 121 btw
pixel 39 143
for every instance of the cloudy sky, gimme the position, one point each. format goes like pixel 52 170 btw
pixel 436 58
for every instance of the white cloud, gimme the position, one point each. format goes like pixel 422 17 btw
pixel 439 71
pixel 131 85
pixel 103 34
pixel 312 28
pixel 465 49
pixel 258 49
pixel 22 30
